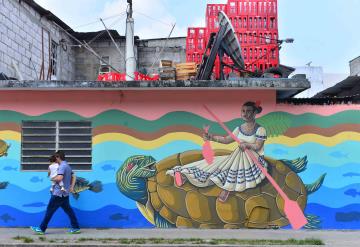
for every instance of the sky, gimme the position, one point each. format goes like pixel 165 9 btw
pixel 325 31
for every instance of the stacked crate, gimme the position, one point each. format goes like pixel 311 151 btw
pixel 256 25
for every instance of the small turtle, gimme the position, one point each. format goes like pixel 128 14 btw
pixel 83 184
pixel 141 179
pixel 4 147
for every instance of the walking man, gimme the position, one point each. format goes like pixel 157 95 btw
pixel 60 198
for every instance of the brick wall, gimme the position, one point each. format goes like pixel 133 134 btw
pixel 22 44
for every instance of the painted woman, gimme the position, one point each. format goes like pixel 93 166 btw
pixel 236 172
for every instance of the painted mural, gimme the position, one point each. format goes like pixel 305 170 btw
pixel 133 146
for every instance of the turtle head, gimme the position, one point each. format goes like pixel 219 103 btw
pixel 132 176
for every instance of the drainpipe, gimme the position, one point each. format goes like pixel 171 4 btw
pixel 130 53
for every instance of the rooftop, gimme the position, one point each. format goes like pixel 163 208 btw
pixel 284 87
pixel 350 87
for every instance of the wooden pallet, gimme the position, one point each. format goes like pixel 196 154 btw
pixel 184 71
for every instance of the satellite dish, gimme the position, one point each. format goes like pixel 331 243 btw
pixel 230 42
pixel 219 44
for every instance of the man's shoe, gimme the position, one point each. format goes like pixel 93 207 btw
pixel 74 231
pixel 37 230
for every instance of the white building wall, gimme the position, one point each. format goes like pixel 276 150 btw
pixel 355 67
pixel 316 77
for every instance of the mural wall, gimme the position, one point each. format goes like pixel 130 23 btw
pixel 139 136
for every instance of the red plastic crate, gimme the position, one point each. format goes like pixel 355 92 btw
pixel 255 24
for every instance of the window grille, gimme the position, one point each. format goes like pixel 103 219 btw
pixel 41 139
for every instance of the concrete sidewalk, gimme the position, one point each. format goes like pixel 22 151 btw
pixel 59 237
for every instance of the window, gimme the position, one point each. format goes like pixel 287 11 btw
pixel 240 23
pixel 255 22
pixel 250 22
pixel 240 38
pixel 54 59
pixel 265 26
pixel 104 65
pixel 40 139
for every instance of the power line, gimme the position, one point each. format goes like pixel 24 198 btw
pixel 97 21
pixel 164 23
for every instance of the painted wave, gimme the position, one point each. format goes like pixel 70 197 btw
pixel 110 217
pixel 339 162
pixel 33 202
pixel 336 198
pixel 184 118
pixel 346 218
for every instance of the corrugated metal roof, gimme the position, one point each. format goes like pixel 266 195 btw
pixel 349 87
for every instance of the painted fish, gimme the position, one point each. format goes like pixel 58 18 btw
pixel 3 185
pixel 351 174
pixel 83 184
pixel 280 151
pixel 108 167
pixel 9 168
pixel 36 179
pixel 6 217
pixel 338 154
pixel 118 216
pixel 34 205
pixel 352 192
pixel 347 217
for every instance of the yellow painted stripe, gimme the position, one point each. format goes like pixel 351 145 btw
pixel 10 135
pixel 153 144
pixel 185 136
pixel 323 140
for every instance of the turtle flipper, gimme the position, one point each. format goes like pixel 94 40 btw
pixel 311 188
pixel 146 212
pixel 298 165
pixel 314 222
pixel 160 222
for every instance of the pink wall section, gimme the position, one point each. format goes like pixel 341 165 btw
pixel 149 105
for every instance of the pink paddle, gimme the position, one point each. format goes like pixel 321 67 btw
pixel 292 210
pixel 207 151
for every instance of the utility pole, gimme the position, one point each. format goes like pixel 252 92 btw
pixel 130 50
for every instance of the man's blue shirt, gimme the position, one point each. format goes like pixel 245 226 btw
pixel 66 171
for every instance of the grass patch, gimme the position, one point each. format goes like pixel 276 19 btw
pixel 42 239
pixel 24 239
pixel 255 242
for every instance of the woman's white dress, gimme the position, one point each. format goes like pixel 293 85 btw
pixel 234 172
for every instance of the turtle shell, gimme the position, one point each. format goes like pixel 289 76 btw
pixel 3 148
pixel 194 207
